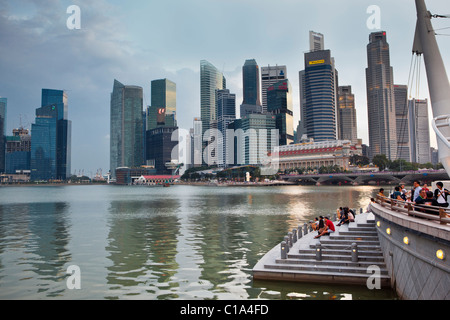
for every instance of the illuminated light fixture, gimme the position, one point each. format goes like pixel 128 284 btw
pixel 440 254
pixel 378 224
pixel 388 230
pixel 406 240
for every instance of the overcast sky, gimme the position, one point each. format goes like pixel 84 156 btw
pixel 139 41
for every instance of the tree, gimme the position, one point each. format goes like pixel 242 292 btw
pixel 381 161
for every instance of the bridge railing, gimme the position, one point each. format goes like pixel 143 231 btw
pixel 409 208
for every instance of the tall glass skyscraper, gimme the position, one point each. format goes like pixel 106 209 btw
pixel 3 106
pixel 269 76
pixel 380 98
pixel 211 79
pixel 279 104
pixel 226 113
pixel 347 129
pixel 51 138
pixel 318 96
pixel 127 127
pixel 402 122
pixel 163 109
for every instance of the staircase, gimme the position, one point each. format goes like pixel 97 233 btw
pixel 335 265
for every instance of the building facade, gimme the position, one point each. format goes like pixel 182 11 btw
pixel 380 97
pixel 313 155
pixel 318 96
pixel 279 104
pixel 18 151
pixel 346 114
pixel 3 109
pixel 269 76
pixel 226 113
pixel 402 122
pixel 163 109
pixel 51 137
pixel 127 127
pixel 161 149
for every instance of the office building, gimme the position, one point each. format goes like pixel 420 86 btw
pixel 402 122
pixel 419 131
pixel 380 98
pixel 51 137
pixel 279 104
pixel 161 150
pixel 251 85
pixel 18 151
pixel 316 41
pixel 3 109
pixel 126 137
pixel 269 76
pixel 211 79
pixel 346 112
pixel 318 96
pixel 226 113
pixel 163 109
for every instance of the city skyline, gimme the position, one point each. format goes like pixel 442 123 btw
pixel 84 62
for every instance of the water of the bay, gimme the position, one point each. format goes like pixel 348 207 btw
pixel 182 242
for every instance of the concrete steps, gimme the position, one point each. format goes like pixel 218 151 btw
pixel 336 264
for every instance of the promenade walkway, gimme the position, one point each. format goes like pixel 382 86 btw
pixel 330 259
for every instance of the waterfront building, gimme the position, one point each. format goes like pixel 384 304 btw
pixel 163 109
pixel 211 79
pixel 380 97
pixel 254 139
pixel 269 76
pixel 126 137
pixel 51 137
pixel 419 131
pixel 402 122
pixel 161 149
pixel 318 96
pixel 18 151
pixel 3 109
pixel 226 113
pixel 251 85
pixel 279 104
pixel 313 155
pixel 346 114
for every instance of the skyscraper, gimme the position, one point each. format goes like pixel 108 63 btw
pixel 269 76
pixel 318 96
pixel 18 151
pixel 347 129
pixel 402 122
pixel 211 79
pixel 251 84
pixel 419 131
pixel 380 97
pixel 279 104
pixel 3 107
pixel 51 138
pixel 316 41
pixel 163 109
pixel 226 113
pixel 126 137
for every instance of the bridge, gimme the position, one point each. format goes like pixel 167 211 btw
pixel 363 178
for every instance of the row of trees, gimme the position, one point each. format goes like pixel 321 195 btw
pixel 383 163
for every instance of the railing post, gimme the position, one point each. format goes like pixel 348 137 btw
pixel 294 235
pixel 305 229
pixel 290 239
pixel 354 252
pixel 299 228
pixel 318 252
pixel 284 250
pixel 442 214
pixel 286 240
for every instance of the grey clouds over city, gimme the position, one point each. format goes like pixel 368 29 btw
pixel 140 41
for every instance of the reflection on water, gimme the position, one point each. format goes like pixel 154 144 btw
pixel 159 243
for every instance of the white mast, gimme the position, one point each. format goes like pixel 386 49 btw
pixel 439 88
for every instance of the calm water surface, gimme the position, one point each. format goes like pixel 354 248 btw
pixel 182 242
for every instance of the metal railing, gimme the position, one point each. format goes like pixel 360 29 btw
pixel 427 212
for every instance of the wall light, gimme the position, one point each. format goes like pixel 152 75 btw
pixel 388 230
pixel 440 254
pixel 406 240
pixel 378 224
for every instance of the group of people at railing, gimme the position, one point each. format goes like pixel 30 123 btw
pixel 421 198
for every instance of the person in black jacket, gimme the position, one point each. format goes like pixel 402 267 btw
pixel 440 194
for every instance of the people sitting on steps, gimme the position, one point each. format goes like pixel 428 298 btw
pixel 327 229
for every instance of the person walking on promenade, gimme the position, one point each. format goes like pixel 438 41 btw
pixel 415 192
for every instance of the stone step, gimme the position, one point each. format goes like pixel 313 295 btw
pixel 356 233
pixel 353 237
pixel 336 257
pixel 361 247
pixel 343 252
pixel 325 268
pixel 327 241
pixel 360 264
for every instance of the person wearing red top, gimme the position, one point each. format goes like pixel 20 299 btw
pixel 329 228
